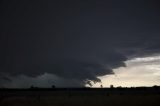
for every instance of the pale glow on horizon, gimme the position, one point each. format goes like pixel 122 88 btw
pixel 138 72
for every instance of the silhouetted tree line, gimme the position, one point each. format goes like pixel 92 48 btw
pixel 155 87
pixel 34 87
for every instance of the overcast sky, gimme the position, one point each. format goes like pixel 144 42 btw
pixel 78 42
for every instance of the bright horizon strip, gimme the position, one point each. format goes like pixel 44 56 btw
pixel 144 71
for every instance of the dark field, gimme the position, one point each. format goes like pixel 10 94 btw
pixel 80 97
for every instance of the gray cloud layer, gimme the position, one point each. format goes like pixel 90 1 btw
pixel 76 40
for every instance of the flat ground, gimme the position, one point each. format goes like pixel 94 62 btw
pixel 102 97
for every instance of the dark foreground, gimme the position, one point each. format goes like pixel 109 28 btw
pixel 81 97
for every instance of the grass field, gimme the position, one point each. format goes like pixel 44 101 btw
pixel 78 98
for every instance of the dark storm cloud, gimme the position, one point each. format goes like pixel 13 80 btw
pixel 78 40
pixel 4 77
pixel 83 71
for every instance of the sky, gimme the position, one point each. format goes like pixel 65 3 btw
pixel 78 43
